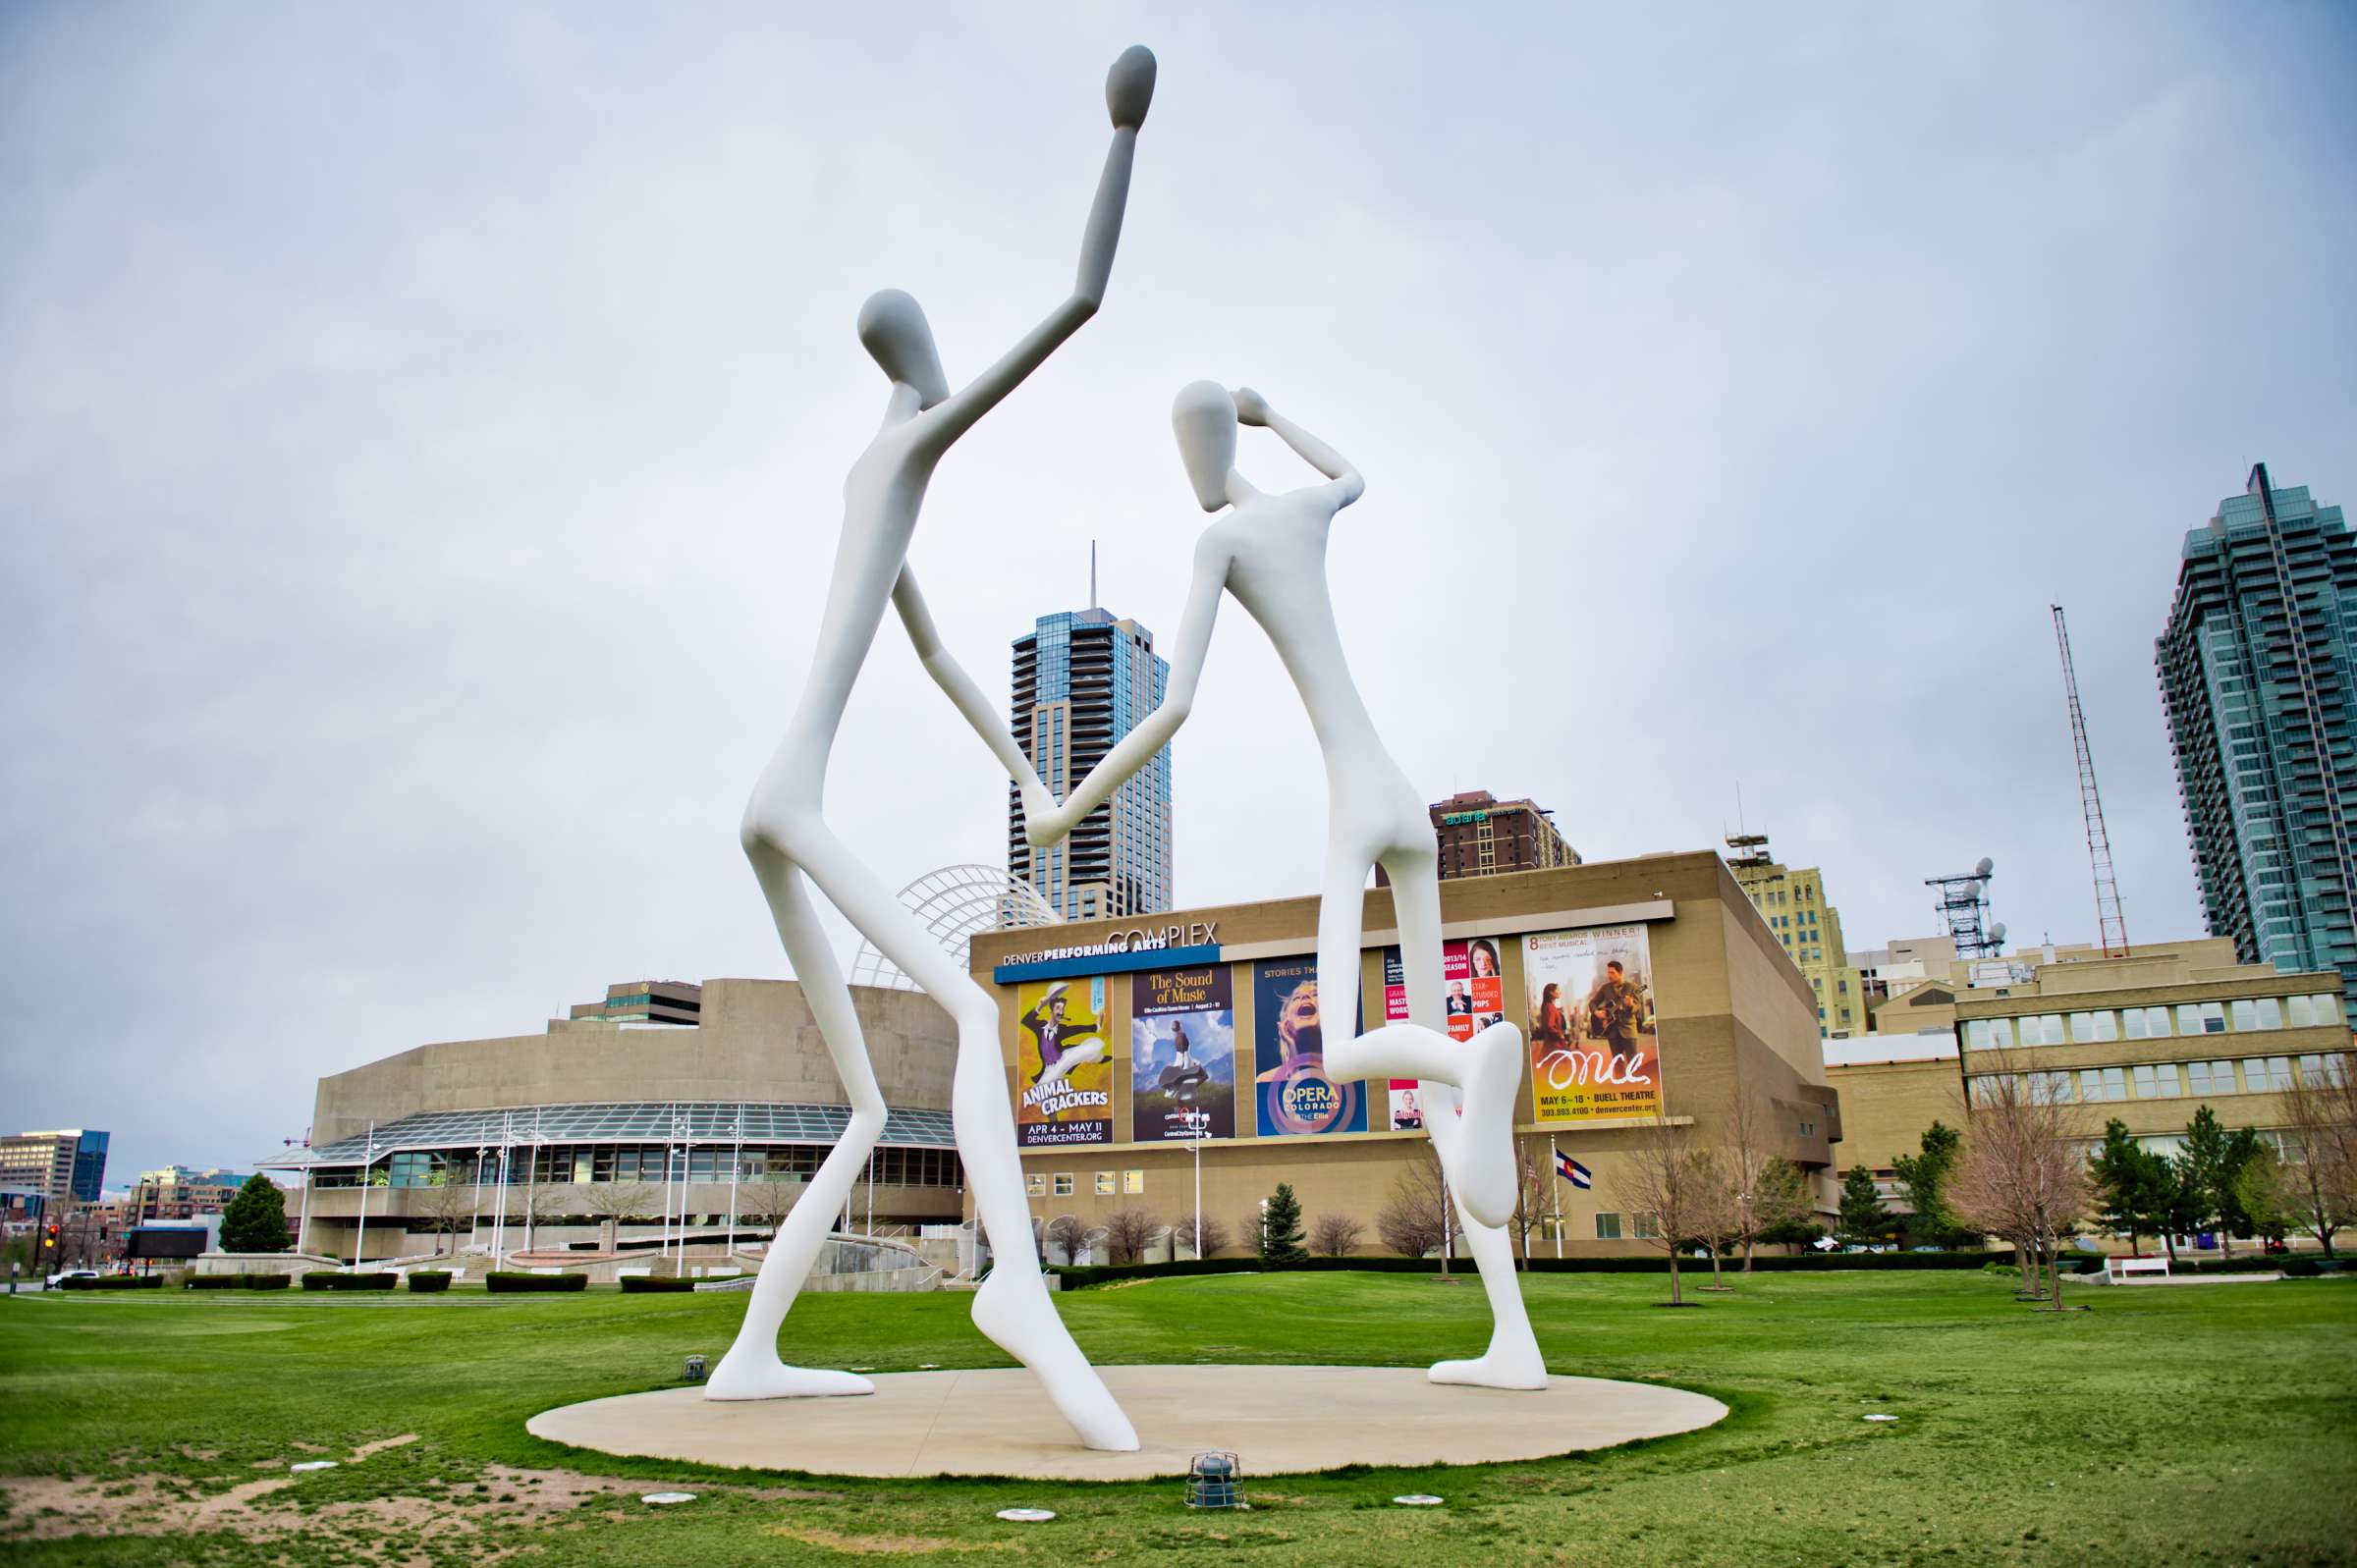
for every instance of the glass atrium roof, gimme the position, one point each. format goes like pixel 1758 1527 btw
pixel 636 1121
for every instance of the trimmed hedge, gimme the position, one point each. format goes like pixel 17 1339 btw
pixel 425 1281
pixel 642 1284
pixel 115 1282
pixel 509 1281
pixel 328 1279
pixel 1105 1273
pixel 241 1281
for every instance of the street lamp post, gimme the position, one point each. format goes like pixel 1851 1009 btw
pixel 359 1241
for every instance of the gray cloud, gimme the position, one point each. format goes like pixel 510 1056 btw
pixel 420 460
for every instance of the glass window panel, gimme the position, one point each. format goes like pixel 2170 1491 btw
pixel 1064 1185
pixel 1133 1181
pixel 2303 1011
pixel 2246 1014
pixel 1608 1227
pixel 2270 1012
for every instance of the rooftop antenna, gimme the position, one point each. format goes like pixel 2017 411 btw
pixel 1963 909
pixel 1092 575
pixel 2109 922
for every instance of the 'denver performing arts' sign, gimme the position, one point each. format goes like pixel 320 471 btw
pixel 1063 1070
pixel 1595 1050
pixel 1295 1095
pixel 1182 1055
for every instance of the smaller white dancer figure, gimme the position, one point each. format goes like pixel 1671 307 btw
pixel 1063 1047
pixel 1270 551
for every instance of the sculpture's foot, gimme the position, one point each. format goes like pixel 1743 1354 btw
pixel 1016 1312
pixel 1501 1368
pixel 744 1376
pixel 1486 1180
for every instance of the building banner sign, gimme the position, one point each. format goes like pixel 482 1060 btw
pixel 1595 1050
pixel 1295 1097
pixel 1474 992
pixel 1182 1055
pixel 1062 1065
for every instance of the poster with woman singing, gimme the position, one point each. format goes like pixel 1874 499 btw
pixel 1473 991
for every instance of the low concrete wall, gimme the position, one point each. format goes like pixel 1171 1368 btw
pixel 263 1263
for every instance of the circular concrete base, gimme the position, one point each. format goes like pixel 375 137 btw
pixel 1278 1420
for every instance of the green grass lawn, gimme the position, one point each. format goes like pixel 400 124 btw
pixel 2194 1425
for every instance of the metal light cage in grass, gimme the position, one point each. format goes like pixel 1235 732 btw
pixel 1213 1481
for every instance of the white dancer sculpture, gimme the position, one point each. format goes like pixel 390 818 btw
pixel 785 835
pixel 1270 551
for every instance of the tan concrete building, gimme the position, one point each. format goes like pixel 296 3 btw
pixel 588 1108
pixel 1729 1013
pixel 1792 900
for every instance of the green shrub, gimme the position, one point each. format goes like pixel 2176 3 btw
pixel 330 1279
pixel 116 1282
pixel 2301 1268
pixel 1103 1273
pixel 509 1281
pixel 425 1281
pixel 642 1284
pixel 240 1282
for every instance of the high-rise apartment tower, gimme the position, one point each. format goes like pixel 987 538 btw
pixel 2258 680
pixel 1083 680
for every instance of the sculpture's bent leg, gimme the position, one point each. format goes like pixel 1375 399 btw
pixel 1513 1360
pixel 1012 1308
pixel 1488 1069
pixel 752 1370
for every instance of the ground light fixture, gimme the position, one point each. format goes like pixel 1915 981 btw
pixel 1417 1500
pixel 663 1499
pixel 1026 1516
pixel 314 1464
pixel 1211 1481
pixel 694 1372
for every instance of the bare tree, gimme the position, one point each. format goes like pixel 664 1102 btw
pixel 613 1201
pixel 1066 1234
pixel 2316 1183
pixel 1666 1176
pixel 2020 1175
pixel 1415 1222
pixel 768 1201
pixel 1129 1232
pixel 447 1206
pixel 1766 1190
pixel 1718 1213
pixel 1530 1204
pixel 1214 1238
pixel 1335 1235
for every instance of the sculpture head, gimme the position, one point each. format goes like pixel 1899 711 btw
pixel 894 330
pixel 1203 418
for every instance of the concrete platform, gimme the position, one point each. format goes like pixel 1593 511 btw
pixel 1278 1420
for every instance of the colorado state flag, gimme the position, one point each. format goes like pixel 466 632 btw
pixel 1572 1171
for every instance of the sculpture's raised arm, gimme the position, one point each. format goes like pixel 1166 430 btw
pixel 1253 410
pixel 1135 749
pixel 950 677
pixel 1128 90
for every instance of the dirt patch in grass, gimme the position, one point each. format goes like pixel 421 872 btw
pixel 381 1444
pixel 888 1545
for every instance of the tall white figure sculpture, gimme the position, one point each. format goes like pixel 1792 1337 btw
pixel 787 837
pixel 1269 553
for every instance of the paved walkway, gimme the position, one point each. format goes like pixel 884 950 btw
pixel 1279 1421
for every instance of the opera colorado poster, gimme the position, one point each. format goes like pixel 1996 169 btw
pixel 1062 1065
pixel 1288 1039
pixel 1182 1055
pixel 1595 1048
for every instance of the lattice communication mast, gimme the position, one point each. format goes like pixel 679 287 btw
pixel 2111 922
pixel 1963 908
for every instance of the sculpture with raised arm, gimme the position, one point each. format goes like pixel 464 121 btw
pixel 787 837
pixel 1270 551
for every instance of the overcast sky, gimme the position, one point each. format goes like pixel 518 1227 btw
pixel 423 432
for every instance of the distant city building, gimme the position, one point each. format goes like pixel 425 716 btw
pixel 1792 900
pixel 59 1167
pixel 1083 680
pixel 671 1002
pixel 2260 684
pixel 1482 836
pixel 176 1192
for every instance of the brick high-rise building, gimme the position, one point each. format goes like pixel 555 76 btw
pixel 1482 836
pixel 1083 680
pixel 2260 681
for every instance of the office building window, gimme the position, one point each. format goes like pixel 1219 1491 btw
pixel 2103 1083
pixel 2320 1068
pixel 2210 1077
pixel 1105 1187
pixel 2041 1029
pixel 1985 1034
pixel 2201 1018
pixel 1036 1184
pixel 1133 1181
pixel 1064 1185
pixel 2145 1023
pixel 2267 1074
pixel 2158 1081
pixel 1608 1227
pixel 1645 1227
pixel 2086 1028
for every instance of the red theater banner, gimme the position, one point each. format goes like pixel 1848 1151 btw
pixel 1472 989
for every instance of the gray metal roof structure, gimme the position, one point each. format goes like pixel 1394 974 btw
pixel 630 1121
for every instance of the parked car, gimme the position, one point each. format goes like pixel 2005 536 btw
pixel 62 1275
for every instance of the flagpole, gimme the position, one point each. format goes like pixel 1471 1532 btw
pixel 1556 1160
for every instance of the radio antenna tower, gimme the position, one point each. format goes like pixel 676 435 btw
pixel 2113 925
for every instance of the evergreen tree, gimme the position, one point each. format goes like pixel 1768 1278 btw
pixel 255 1220
pixel 2202 1175
pixel 2139 1190
pixel 1934 1224
pixel 1863 1217
pixel 1281 1228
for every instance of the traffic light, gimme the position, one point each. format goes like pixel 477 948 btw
pixel 49 1237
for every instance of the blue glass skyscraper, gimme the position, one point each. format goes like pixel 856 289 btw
pixel 2259 679
pixel 1083 680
